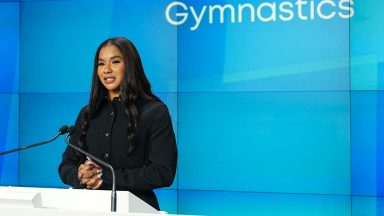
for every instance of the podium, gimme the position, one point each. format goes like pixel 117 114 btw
pixel 62 202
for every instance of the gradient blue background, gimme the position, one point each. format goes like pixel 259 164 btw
pixel 281 118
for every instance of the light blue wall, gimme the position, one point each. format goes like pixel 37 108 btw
pixel 277 118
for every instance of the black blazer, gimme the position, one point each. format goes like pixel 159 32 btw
pixel 152 164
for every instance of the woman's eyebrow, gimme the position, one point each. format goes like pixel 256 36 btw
pixel 113 57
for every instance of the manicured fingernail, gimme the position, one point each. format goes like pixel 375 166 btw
pixel 100 174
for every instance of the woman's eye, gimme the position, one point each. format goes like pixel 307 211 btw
pixel 100 64
pixel 116 62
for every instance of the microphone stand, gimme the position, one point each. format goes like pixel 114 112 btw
pixel 62 130
pixel 113 196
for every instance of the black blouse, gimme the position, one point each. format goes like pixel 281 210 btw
pixel 151 165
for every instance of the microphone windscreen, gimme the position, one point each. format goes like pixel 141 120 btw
pixel 63 129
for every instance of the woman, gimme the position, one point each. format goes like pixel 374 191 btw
pixel 124 124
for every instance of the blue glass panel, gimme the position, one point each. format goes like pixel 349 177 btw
pixel 144 23
pixel 167 200
pixel 367 47
pixel 367 206
pixel 242 203
pixel 58 42
pixel 41 116
pixel 9 43
pixel 67 43
pixel 9 138
pixel 252 56
pixel 380 145
pixel 294 142
pixel 367 143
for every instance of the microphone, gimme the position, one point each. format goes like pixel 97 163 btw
pixel 62 131
pixel 71 130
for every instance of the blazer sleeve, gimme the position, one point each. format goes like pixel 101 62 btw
pixel 161 169
pixel 71 160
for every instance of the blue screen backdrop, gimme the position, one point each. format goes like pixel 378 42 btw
pixel 271 118
pixel 9 90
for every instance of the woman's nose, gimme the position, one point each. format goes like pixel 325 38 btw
pixel 107 68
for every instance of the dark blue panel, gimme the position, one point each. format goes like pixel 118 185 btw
pixel 41 116
pixel 294 142
pixel 367 143
pixel 9 43
pixel 9 138
pixel 380 145
pixel 242 203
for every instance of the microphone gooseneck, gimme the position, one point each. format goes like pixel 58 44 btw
pixel 70 131
pixel 62 131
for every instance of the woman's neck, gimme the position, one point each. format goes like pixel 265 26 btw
pixel 113 94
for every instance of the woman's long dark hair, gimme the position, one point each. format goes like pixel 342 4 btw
pixel 134 88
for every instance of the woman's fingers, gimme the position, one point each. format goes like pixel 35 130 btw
pixel 90 162
pixel 98 185
pixel 88 171
pixel 94 182
pixel 91 173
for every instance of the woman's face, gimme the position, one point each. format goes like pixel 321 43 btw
pixel 111 69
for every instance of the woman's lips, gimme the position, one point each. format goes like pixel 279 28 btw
pixel 109 80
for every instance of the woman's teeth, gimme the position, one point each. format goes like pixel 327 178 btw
pixel 109 80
